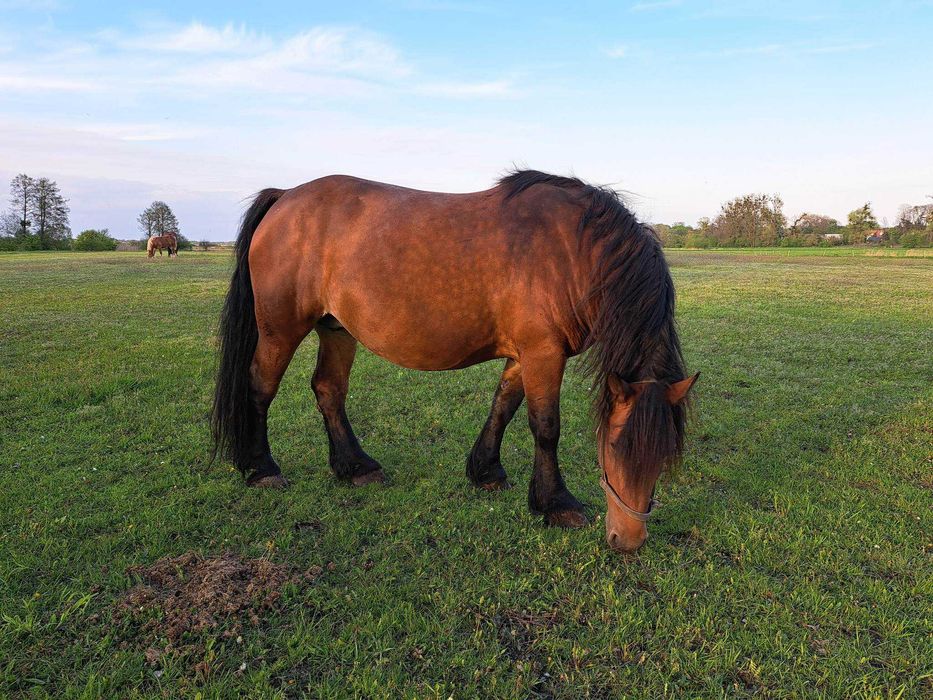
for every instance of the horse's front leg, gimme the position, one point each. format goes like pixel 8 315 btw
pixel 547 493
pixel 484 466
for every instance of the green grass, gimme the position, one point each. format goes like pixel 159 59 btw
pixel 792 557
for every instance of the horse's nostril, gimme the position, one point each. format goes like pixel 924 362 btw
pixel 619 544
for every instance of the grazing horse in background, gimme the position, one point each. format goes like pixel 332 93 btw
pixel 535 270
pixel 167 242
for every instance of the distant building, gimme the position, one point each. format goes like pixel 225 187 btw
pixel 833 236
pixel 875 236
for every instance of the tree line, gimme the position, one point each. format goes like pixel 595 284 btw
pixel 37 219
pixel 758 220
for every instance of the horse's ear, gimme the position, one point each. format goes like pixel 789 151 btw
pixel 621 390
pixel 678 391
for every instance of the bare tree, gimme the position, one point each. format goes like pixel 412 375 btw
pixel 22 191
pixel 37 208
pixel 9 224
pixel 914 217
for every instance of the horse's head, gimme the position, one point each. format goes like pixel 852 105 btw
pixel 641 436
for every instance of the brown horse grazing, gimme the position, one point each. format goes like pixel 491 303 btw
pixel 167 242
pixel 534 270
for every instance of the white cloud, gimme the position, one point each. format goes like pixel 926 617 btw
pixel 142 132
pixel 747 50
pixel 325 61
pixel 34 5
pixel 618 51
pixel 838 48
pixel 785 50
pixel 654 5
pixel 23 82
pixel 493 88
pixel 195 38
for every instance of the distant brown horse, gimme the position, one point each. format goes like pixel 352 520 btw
pixel 167 242
pixel 534 270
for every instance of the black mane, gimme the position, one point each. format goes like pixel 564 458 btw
pixel 630 320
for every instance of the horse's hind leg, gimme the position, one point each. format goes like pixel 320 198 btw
pixel 273 353
pixel 484 467
pixel 330 383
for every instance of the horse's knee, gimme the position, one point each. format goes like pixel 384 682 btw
pixel 328 392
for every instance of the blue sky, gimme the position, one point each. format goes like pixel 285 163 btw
pixel 683 103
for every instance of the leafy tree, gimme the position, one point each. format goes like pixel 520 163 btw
pixel 814 224
pixel 860 221
pixel 50 215
pixel 204 244
pixel 157 220
pixel 751 220
pixel 673 236
pixel 94 239
pixel 679 228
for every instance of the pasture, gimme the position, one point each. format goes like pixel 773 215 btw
pixel 793 556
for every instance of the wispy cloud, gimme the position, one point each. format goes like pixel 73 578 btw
pixel 446 6
pixel 839 48
pixel 23 82
pixel 329 61
pixel 617 51
pixel 785 50
pixel 494 88
pixel 143 132
pixel 34 5
pixel 764 49
pixel 649 5
pixel 194 38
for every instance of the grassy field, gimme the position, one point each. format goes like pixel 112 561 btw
pixel 793 556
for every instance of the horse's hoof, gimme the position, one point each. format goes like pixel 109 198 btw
pixel 273 481
pixel 377 476
pixel 498 485
pixel 566 518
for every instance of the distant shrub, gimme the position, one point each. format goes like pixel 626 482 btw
pixel 696 239
pixel 20 243
pixel 93 239
pixel 917 239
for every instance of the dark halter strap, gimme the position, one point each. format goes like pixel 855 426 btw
pixel 614 497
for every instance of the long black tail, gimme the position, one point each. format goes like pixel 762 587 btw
pixel 233 420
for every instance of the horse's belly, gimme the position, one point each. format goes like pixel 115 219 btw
pixel 425 343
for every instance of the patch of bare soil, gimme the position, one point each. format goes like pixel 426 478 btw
pixel 182 602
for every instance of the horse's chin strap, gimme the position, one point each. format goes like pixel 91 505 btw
pixel 614 497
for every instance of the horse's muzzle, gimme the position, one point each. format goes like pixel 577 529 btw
pixel 625 542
